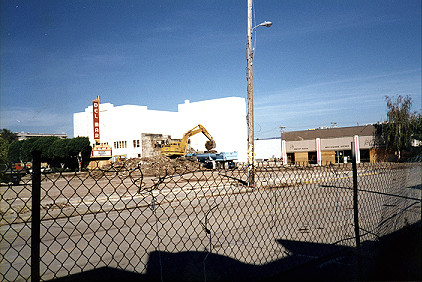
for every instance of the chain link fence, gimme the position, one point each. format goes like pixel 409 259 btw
pixel 167 219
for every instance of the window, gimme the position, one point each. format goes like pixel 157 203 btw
pixel 312 157
pixel 364 156
pixel 136 144
pixel 343 156
pixel 291 158
pixel 120 144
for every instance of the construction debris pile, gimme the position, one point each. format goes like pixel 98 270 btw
pixel 157 166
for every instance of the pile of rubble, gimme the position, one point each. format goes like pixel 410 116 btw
pixel 156 166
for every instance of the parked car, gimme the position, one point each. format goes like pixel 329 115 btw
pixel 10 175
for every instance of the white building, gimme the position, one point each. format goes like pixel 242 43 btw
pixel 26 135
pixel 266 149
pixel 122 126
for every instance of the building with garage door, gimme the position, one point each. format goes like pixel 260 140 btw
pixel 136 131
pixel 330 145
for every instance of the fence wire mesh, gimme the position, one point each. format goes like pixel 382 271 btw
pixel 171 218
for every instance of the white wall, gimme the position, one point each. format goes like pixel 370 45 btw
pixel 267 148
pixel 225 120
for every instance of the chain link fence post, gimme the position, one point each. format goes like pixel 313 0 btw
pixel 36 219
pixel 356 208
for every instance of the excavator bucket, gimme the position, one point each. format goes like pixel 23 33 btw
pixel 209 145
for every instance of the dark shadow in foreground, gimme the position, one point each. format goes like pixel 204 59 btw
pixel 394 257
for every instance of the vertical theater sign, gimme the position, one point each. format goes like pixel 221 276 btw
pixel 96 119
pixel 100 150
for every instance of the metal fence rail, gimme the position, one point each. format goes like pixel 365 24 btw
pixel 207 222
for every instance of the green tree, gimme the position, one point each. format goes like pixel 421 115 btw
pixel 8 135
pixel 417 127
pixel 4 149
pixel 60 150
pixel 14 154
pixel 79 146
pixel 26 150
pixel 43 144
pixel 55 151
pixel 400 124
pixel 6 138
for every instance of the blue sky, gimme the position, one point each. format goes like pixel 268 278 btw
pixel 320 62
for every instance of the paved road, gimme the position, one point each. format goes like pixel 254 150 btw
pixel 113 224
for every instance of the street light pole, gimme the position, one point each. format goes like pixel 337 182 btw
pixel 251 150
pixel 251 145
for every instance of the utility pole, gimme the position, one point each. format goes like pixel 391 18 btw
pixel 251 149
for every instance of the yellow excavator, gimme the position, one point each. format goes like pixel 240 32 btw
pixel 179 148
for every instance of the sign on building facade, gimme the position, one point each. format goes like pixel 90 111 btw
pixel 96 118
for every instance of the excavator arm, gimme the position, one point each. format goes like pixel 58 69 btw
pixel 179 148
pixel 210 144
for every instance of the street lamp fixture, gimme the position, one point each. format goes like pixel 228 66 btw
pixel 251 148
pixel 266 24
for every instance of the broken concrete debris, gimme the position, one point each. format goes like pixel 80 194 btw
pixel 157 166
